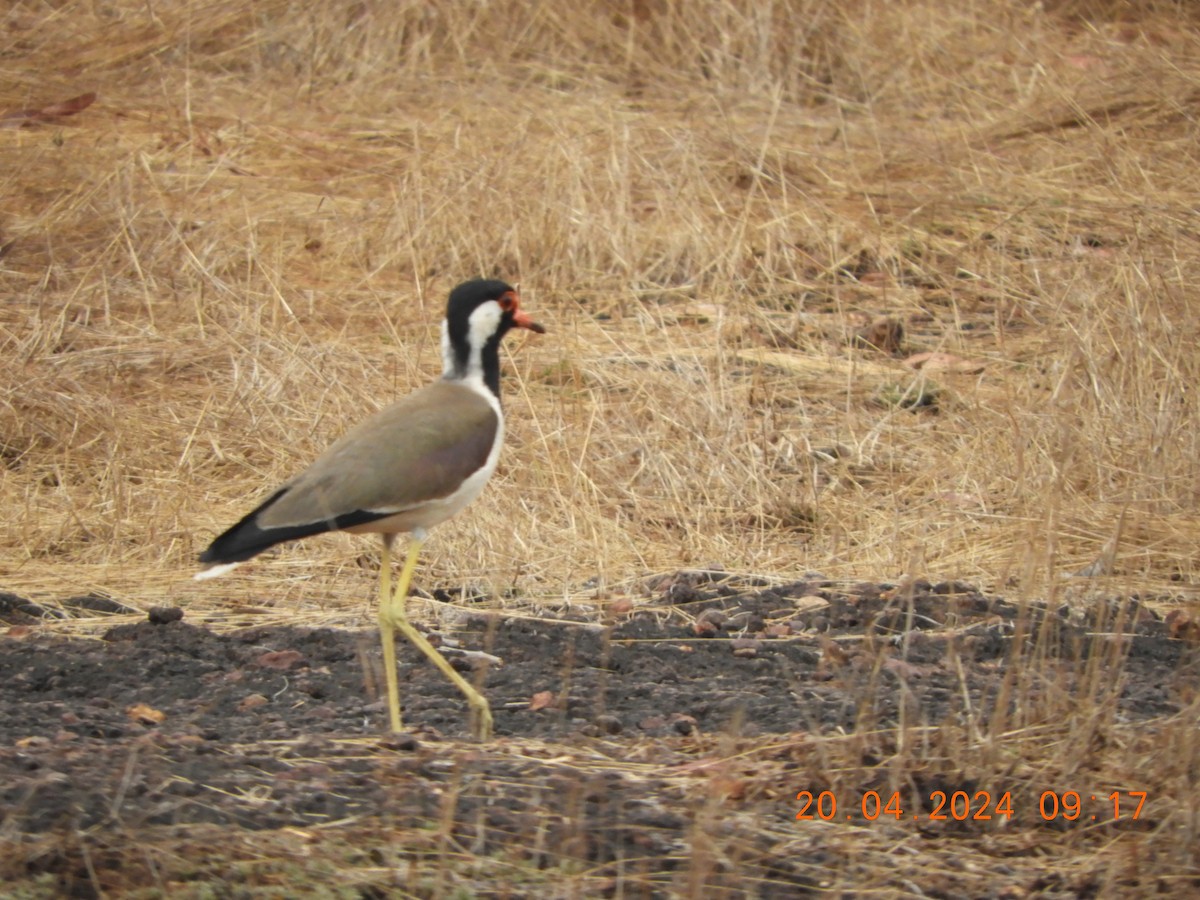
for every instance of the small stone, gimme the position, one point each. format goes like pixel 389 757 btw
pixel 401 743
pixel 682 592
pixel 620 608
pixel 144 714
pixel 280 659
pixel 164 615
pixel 709 622
pixel 684 723
pixel 608 724
pixel 745 648
pixel 811 603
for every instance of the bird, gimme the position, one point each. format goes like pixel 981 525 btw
pixel 410 466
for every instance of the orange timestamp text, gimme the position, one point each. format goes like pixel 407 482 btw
pixel 971 806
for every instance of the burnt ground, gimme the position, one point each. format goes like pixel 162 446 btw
pixel 654 749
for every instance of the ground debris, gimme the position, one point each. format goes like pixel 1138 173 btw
pixel 637 732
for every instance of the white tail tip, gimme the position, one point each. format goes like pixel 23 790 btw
pixel 215 571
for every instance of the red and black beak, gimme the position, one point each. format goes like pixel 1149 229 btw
pixel 523 319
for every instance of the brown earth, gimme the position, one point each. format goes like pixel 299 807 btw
pixel 667 756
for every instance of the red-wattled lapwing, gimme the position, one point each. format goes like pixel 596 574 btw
pixel 407 468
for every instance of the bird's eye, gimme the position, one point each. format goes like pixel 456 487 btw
pixel 507 301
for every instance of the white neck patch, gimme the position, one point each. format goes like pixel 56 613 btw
pixel 483 322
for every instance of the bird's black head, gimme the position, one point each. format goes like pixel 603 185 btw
pixel 479 313
pixel 466 312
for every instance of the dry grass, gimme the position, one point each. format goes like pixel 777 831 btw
pixel 244 245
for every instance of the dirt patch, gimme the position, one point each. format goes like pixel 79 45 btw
pixel 615 743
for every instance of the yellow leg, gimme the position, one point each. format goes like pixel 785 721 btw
pixel 388 636
pixel 394 615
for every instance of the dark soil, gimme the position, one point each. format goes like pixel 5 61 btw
pixel 166 727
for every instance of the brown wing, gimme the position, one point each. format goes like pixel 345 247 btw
pixel 417 450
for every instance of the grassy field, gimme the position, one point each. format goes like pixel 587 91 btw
pixel 244 244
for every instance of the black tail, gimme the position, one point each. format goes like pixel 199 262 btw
pixel 245 539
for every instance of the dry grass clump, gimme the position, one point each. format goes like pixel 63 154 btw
pixel 244 246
